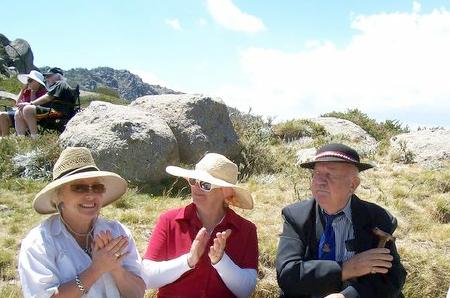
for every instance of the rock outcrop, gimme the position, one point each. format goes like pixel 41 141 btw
pixel 426 147
pixel 132 142
pixel 15 56
pixel 200 123
pixel 126 84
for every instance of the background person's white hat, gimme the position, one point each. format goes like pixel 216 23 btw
pixel 34 74
pixel 76 163
pixel 218 170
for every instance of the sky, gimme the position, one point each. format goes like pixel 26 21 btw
pixel 283 59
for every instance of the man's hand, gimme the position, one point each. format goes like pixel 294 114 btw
pixel 376 260
pixel 217 249
pixel 197 247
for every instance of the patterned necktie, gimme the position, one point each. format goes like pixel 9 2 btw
pixel 327 243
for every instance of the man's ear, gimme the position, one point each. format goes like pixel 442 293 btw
pixel 355 183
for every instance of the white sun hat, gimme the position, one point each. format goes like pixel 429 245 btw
pixel 220 171
pixel 76 163
pixel 34 75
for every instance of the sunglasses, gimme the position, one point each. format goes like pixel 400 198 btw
pixel 205 186
pixel 30 80
pixel 84 188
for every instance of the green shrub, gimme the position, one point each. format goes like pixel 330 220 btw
pixel 257 151
pixel 442 211
pixel 12 85
pixel 87 99
pixel 106 91
pixel 403 154
pixel 297 128
pixel 379 130
pixel 21 156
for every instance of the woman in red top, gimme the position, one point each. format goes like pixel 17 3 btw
pixel 205 249
pixel 33 88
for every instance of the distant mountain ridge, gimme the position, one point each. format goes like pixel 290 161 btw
pixel 128 85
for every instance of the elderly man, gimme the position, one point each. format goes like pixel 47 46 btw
pixel 57 103
pixel 328 245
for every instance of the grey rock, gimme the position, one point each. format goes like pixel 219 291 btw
pixel 427 147
pixel 305 155
pixel 130 142
pixel 125 84
pixel 16 53
pixel 4 40
pixel 8 95
pixel 200 124
pixel 363 142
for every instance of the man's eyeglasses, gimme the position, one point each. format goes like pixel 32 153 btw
pixel 205 186
pixel 85 188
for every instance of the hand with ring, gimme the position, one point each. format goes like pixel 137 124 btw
pixel 107 253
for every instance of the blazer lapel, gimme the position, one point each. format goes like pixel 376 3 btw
pixel 319 224
pixel 362 225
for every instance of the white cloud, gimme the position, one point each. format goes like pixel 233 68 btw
pixel 396 64
pixel 173 23
pixel 227 14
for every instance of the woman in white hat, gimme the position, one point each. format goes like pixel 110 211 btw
pixel 205 249
pixel 33 87
pixel 75 252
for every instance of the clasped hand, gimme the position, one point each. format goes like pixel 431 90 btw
pixel 216 250
pixel 108 252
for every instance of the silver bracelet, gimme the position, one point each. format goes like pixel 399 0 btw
pixel 80 285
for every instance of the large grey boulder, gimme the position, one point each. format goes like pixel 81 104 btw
pixel 360 139
pixel 130 142
pixel 15 54
pixel 427 147
pixel 200 123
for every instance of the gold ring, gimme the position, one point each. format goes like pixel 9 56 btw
pixel 117 255
pixel 372 271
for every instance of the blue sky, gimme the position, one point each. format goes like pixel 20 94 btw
pixel 282 59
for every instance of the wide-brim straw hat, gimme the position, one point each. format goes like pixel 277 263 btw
pixel 34 75
pixel 335 152
pixel 220 171
pixel 76 163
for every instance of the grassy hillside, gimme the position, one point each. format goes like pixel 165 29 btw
pixel 418 197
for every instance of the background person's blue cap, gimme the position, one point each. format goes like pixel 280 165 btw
pixel 337 153
pixel 54 70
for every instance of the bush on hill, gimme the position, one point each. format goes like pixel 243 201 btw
pixel 298 128
pixel 259 152
pixel 10 85
pixel 379 130
pixel 106 91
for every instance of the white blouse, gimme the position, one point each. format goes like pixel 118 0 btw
pixel 49 256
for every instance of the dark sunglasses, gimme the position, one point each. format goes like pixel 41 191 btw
pixel 84 188
pixel 205 186
pixel 30 80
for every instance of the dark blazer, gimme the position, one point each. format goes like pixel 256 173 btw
pixel 300 273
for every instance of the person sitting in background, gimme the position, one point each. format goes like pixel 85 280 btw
pixel 75 252
pixel 329 244
pixel 54 103
pixel 205 249
pixel 33 87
